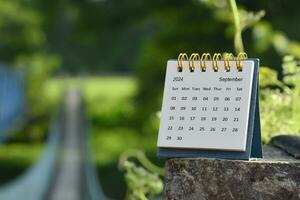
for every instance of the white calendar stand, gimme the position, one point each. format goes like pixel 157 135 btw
pixel 210 113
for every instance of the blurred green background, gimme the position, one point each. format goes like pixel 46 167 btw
pixel 116 52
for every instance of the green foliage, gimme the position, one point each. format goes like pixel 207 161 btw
pixel 264 36
pixel 242 19
pixel 141 183
pixel 280 108
pixel 267 37
pixel 109 100
pixel 38 68
pixel 20 153
pixel 109 143
pixel 20 29
pixel 268 78
pixel 142 158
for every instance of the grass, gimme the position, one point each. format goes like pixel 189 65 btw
pixel 105 91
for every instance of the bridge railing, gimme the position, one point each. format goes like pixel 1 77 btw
pixel 34 183
pixel 94 191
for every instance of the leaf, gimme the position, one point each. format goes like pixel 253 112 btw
pixel 267 77
pixel 248 19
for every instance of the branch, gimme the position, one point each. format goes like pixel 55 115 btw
pixel 238 41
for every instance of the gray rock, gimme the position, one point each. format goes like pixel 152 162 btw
pixel 276 177
pixel 288 143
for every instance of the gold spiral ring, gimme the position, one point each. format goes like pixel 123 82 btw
pixel 181 57
pixel 227 57
pixel 216 57
pixel 239 59
pixel 193 57
pixel 204 57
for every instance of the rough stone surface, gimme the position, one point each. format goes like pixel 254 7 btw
pixel 288 143
pixel 276 177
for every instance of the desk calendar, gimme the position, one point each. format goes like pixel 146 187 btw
pixel 210 108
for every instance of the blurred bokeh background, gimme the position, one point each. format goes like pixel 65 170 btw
pixel 115 52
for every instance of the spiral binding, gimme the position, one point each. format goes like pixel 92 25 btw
pixel 193 58
pixel 181 57
pixel 227 58
pixel 203 59
pixel 239 59
pixel 216 58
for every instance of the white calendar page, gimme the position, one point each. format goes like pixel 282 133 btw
pixel 206 110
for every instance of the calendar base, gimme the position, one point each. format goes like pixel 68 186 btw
pixel 199 153
pixel 276 176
